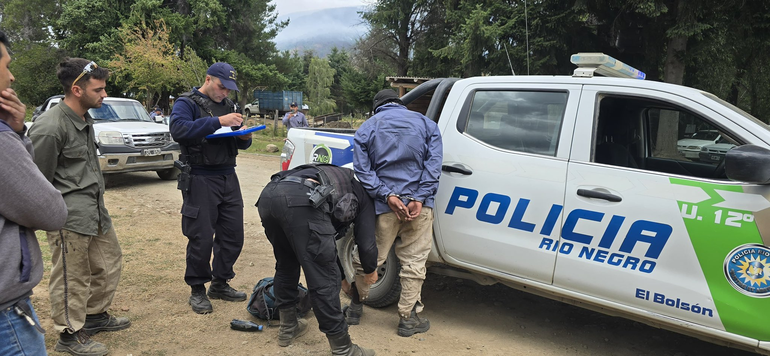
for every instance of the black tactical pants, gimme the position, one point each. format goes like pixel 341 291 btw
pixel 302 236
pixel 212 220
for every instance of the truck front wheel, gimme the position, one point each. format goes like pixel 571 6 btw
pixel 387 289
pixel 168 174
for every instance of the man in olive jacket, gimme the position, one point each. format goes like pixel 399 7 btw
pixel 86 255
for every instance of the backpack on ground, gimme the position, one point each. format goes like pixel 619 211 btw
pixel 262 301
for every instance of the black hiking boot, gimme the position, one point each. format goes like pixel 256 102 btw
pixel 79 344
pixel 291 326
pixel 412 325
pixel 199 301
pixel 342 346
pixel 104 322
pixel 221 290
pixel 353 313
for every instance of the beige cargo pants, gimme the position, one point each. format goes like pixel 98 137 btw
pixel 412 248
pixel 84 276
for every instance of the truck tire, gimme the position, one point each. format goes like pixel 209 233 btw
pixel 168 174
pixel 248 113
pixel 387 289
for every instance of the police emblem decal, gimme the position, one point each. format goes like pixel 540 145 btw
pixel 321 154
pixel 747 268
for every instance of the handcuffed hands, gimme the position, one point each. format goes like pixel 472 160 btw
pixel 371 278
pixel 398 207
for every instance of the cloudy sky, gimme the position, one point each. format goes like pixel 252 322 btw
pixel 285 7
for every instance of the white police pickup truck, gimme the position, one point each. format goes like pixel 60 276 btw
pixel 572 187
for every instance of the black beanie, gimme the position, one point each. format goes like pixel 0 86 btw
pixel 383 97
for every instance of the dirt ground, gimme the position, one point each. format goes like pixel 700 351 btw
pixel 466 318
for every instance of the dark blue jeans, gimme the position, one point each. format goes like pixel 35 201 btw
pixel 17 337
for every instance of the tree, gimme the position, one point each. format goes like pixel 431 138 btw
pixel 319 82
pixel 192 69
pixel 252 75
pixel 148 62
pixel 289 64
pixel 34 67
pixel 365 76
pixel 249 28
pixel 400 24
pixel 28 21
pixel 340 62
pixel 438 31
pixel 494 37
pixel 359 89
pixel 91 28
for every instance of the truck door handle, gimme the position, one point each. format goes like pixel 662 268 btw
pixel 456 169
pixel 588 193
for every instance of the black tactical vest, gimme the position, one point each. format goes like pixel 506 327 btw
pixel 213 152
pixel 340 178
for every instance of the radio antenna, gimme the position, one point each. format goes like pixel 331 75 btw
pixel 509 58
pixel 526 28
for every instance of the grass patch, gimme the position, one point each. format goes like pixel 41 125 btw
pixel 42 239
pixel 259 145
pixel 260 139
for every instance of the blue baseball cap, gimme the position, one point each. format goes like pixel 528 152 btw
pixel 226 74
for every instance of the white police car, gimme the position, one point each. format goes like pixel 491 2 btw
pixel 573 187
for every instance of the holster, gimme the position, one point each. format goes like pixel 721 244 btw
pixel 183 180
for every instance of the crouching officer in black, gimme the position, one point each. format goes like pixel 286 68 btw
pixel 212 208
pixel 303 211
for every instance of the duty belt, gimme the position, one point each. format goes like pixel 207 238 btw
pixel 304 181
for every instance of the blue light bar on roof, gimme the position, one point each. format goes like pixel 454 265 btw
pixel 605 65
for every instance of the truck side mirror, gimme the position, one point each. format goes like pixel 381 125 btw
pixel 748 163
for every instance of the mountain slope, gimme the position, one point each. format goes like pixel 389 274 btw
pixel 321 30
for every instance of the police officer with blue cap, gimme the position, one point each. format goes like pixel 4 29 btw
pixel 212 208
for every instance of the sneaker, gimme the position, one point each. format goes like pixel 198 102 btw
pixel 79 344
pixel 200 303
pixel 222 290
pixel 104 322
pixel 353 313
pixel 413 325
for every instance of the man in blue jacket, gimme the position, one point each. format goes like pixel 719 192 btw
pixel 212 208
pixel 397 158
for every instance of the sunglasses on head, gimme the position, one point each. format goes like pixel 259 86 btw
pixel 87 69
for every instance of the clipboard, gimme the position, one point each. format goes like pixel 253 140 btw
pixel 236 132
